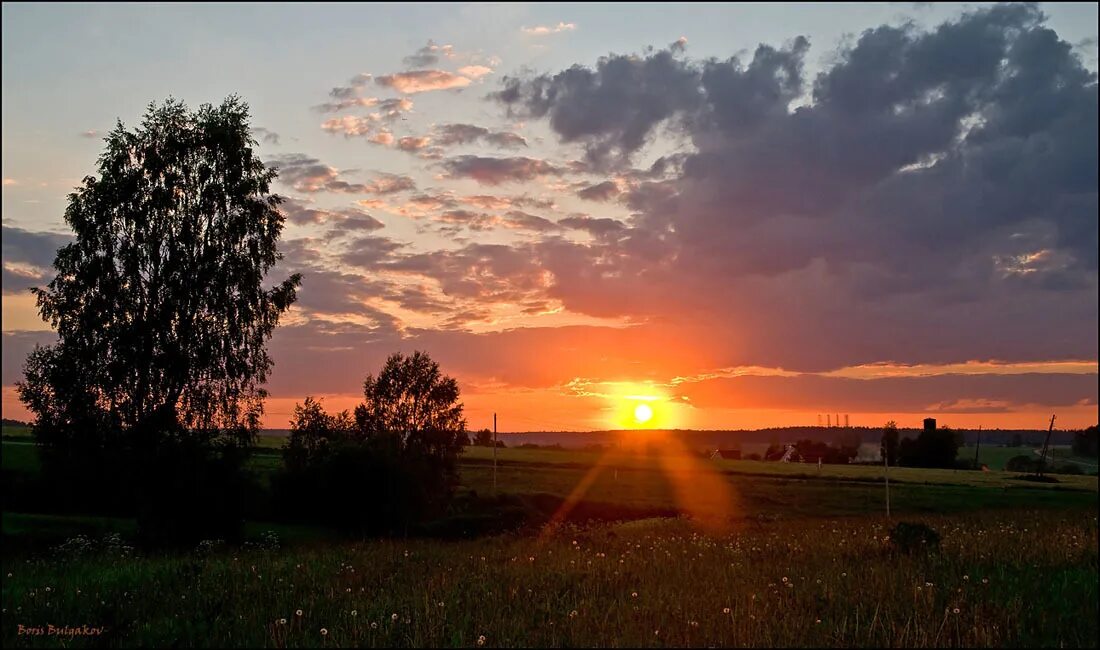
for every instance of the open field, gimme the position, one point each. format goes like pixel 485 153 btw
pixel 657 484
pixel 773 554
pixel 649 583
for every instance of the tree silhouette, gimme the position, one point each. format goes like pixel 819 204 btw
pixel 397 462
pixel 889 445
pixel 159 303
pixel 483 438
pixel 314 433
pixel 931 448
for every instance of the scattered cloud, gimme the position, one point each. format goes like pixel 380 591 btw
pixel 267 136
pixel 474 71
pixel 429 55
pixel 349 125
pixel 28 257
pixel 604 191
pixel 418 81
pixel 310 175
pixel 544 30
pixel 390 184
pixel 460 134
pixel 413 143
pixel 494 171
pixel 302 212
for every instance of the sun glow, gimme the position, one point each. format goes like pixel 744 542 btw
pixel 643 413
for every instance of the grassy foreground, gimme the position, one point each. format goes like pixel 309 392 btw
pixel 1003 578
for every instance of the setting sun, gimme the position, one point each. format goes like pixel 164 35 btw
pixel 643 413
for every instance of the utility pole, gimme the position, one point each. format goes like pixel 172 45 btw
pixel 886 465
pixel 978 447
pixel 1043 459
pixel 494 453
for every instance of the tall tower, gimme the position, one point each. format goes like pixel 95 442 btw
pixel 828 420
pixel 845 420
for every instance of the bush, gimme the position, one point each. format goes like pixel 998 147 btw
pixel 360 488
pixel 392 467
pixel 935 448
pixel 1085 442
pixel 81 546
pixel 188 492
pixel 906 537
pixel 1021 464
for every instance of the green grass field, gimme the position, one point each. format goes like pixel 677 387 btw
pixel 789 555
pixel 650 583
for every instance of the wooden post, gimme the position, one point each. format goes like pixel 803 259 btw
pixel 886 473
pixel 494 453
pixel 978 447
pixel 1046 443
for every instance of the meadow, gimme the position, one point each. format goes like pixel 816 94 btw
pixel 1003 578
pixel 610 549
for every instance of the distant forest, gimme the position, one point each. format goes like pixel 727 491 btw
pixel 731 438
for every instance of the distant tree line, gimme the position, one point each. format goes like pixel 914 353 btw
pixel 1085 443
pixel 484 438
pixel 812 451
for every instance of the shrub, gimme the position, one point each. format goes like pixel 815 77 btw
pixel 1021 463
pixel 932 448
pixel 186 492
pixel 81 546
pixel 907 537
pixel 395 464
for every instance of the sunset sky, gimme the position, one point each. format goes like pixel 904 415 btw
pixel 741 216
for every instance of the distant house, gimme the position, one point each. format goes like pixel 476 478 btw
pixel 726 454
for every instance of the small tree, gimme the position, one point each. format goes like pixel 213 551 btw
pixel 412 410
pixel 889 445
pixel 396 462
pixel 314 433
pixel 483 438
pixel 932 448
